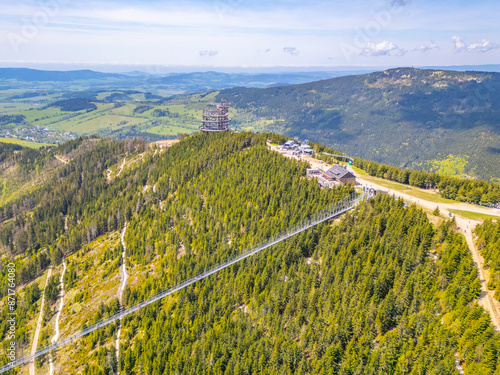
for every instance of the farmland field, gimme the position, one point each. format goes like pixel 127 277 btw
pixel 39 116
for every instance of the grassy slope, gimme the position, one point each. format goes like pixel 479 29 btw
pixel 32 320
pixel 15 184
pixel 410 190
pixel 474 215
pixel 24 143
pixel 98 280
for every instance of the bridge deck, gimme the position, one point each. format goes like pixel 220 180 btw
pixel 335 210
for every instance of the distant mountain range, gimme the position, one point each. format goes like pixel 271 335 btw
pixel 441 120
pixel 25 74
pixel 180 82
pixel 187 82
pixel 217 80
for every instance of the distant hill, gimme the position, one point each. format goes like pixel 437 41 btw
pixel 76 104
pixel 463 68
pixel 438 120
pixel 25 74
pixel 217 80
pixel 178 81
pixel 173 83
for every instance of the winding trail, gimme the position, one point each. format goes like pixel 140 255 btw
pixel 61 159
pixel 39 324
pixel 123 277
pixel 54 339
pixel 487 297
pixel 121 168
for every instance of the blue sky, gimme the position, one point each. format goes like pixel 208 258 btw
pixel 237 33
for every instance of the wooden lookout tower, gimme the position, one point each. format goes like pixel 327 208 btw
pixel 216 120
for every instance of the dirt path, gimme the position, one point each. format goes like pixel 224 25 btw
pixel 123 277
pixel 54 339
pixel 443 207
pixel 61 159
pixel 121 168
pixel 486 299
pixel 166 143
pixel 39 324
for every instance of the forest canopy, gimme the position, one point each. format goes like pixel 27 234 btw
pixel 379 290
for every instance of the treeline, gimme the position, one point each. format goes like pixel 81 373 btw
pixel 75 104
pixel 463 190
pixel 120 96
pixel 11 119
pixel 164 113
pixel 142 108
pixel 7 150
pixel 25 159
pixel 488 243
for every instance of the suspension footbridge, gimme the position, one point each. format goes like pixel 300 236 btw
pixel 331 212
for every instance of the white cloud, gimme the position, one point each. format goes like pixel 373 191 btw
pixel 424 48
pixel 479 46
pixel 209 53
pixel 384 48
pixel 400 3
pixel 291 50
pixel 459 44
pixel 249 33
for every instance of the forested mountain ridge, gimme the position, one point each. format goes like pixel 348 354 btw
pixel 30 75
pixel 437 120
pixel 379 291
